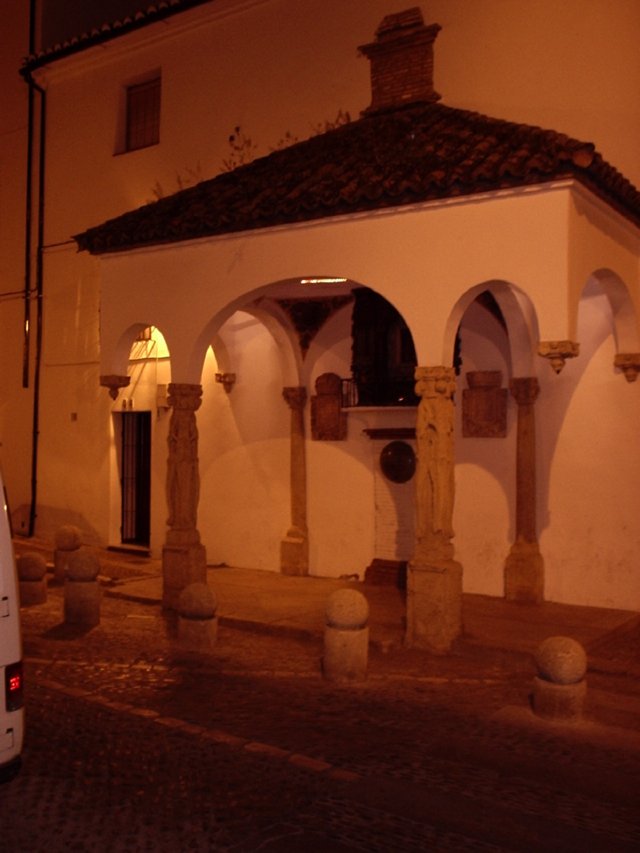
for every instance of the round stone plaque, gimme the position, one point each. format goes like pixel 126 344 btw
pixel 398 461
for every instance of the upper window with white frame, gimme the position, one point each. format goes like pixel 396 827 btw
pixel 142 114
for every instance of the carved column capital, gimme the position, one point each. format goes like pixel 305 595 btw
pixel 184 396
pixel 432 382
pixel 557 352
pixel 295 396
pixel 629 364
pixel 524 390
pixel 114 383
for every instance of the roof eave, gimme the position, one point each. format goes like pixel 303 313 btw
pixel 96 241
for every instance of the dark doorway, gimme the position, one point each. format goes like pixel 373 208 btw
pixel 383 354
pixel 135 477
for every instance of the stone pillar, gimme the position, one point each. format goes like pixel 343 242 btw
pixel 524 567
pixel 346 636
pixel 82 590
pixel 560 688
pixel 434 580
pixel 32 572
pixel 197 620
pixel 68 539
pixel 183 556
pixel 294 548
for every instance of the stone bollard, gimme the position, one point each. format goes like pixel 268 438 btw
pixel 560 688
pixel 346 636
pixel 32 570
pixel 68 539
pixel 197 620
pixel 81 589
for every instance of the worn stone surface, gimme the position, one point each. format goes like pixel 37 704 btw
pixel 68 537
pixel 294 547
pixel 484 405
pixel 346 653
pixel 183 475
pixel 197 601
pixel 559 702
pixel 83 565
pixel 561 660
pixel 82 603
pixel 434 606
pixel 183 556
pixel 198 635
pixel 524 573
pixel 524 567
pixel 347 609
pixel 32 592
pixel 182 565
pixel 31 566
pixel 328 421
pixel 294 553
pixel 434 581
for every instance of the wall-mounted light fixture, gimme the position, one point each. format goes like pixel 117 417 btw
pixel 322 280
pixel 227 380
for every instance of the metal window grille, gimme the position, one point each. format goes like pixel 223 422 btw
pixel 136 477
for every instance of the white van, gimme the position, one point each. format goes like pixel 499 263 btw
pixel 11 683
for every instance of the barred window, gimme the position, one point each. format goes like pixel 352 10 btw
pixel 143 115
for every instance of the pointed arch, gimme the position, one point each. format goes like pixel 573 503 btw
pixel 519 316
pixel 624 315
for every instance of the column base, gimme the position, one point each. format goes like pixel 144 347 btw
pixel 434 605
pixel 181 565
pixel 524 574
pixel 294 554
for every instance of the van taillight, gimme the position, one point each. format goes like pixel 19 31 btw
pixel 14 686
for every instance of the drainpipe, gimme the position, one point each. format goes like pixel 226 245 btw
pixel 33 89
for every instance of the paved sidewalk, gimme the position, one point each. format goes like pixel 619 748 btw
pixel 496 632
pixel 272 602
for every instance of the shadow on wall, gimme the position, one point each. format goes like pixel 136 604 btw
pixel 49 519
pixel 595 327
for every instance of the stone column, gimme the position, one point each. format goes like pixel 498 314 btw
pixel 294 548
pixel 434 580
pixel 183 556
pixel 524 567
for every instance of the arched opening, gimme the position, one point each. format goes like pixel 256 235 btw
pixel 138 455
pixel 289 335
pixel 383 354
pixel 243 443
pixel 495 329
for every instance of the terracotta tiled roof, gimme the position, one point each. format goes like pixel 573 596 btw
pixel 148 14
pixel 415 154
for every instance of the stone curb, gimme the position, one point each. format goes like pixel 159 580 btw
pixel 305 762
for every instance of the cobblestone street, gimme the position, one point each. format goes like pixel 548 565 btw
pixel 134 745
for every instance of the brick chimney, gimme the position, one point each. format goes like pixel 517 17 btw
pixel 401 61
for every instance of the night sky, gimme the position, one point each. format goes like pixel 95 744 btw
pixel 62 19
